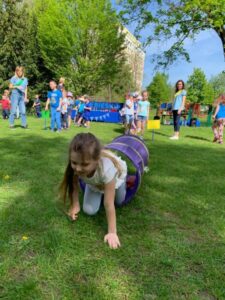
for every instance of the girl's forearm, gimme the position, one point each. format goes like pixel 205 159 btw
pixel 216 111
pixel 111 217
pixel 75 198
pixel 109 197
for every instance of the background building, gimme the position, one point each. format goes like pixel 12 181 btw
pixel 135 58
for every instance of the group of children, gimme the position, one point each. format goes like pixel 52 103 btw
pixel 136 113
pixel 61 105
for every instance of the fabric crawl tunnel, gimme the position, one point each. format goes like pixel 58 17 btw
pixel 135 150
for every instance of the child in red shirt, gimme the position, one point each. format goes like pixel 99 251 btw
pixel 5 103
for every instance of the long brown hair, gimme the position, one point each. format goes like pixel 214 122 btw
pixel 89 146
pixel 176 85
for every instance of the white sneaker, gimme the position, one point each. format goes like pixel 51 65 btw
pixel 174 137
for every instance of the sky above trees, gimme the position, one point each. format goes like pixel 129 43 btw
pixel 205 52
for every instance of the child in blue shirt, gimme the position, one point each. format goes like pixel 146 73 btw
pixel 143 112
pixel 87 112
pixel 55 100
pixel 80 111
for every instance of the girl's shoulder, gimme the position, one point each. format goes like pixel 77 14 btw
pixel 14 77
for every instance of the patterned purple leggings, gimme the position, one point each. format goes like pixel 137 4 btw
pixel 217 128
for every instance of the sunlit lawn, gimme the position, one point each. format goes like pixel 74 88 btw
pixel 172 233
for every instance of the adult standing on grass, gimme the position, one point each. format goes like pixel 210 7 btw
pixel 178 106
pixel 18 85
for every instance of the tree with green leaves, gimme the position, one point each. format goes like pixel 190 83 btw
pixel 176 20
pixel 19 45
pixel 218 83
pixel 122 83
pixel 13 37
pixel 159 89
pixel 199 90
pixel 81 41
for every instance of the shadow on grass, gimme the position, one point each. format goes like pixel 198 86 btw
pixel 119 130
pixel 162 134
pixel 198 138
pixel 177 199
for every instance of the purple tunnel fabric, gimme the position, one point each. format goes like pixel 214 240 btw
pixel 136 151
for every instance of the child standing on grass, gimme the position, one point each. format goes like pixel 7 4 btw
pixel 37 106
pixel 64 110
pixel 143 113
pixel 104 174
pixel 55 100
pixel 129 112
pixel 80 111
pixel 5 104
pixel 70 107
pixel 87 112
pixel 219 119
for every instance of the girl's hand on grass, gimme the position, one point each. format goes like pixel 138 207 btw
pixel 112 240
pixel 73 212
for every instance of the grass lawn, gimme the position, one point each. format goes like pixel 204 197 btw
pixel 172 233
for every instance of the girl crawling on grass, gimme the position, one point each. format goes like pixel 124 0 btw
pixel 103 173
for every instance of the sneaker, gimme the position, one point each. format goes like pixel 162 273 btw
pixel 25 127
pixel 174 137
pixel 221 142
pixel 215 139
pixel 59 130
pixel 12 127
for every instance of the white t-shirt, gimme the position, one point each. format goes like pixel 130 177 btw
pixel 106 172
pixel 64 106
pixel 129 111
